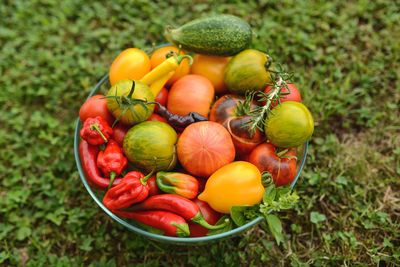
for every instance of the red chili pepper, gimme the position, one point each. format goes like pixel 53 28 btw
pixel 132 189
pixel 111 161
pixel 154 190
pixel 96 131
pixel 178 183
pixel 170 223
pixel 176 204
pixel 88 154
pixel 210 215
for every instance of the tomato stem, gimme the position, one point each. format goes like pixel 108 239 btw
pixel 282 153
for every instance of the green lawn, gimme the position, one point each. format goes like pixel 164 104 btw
pixel 346 61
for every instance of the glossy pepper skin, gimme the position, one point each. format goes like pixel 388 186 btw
pixel 235 184
pixel 154 190
pixel 163 70
pixel 179 205
pixel 133 188
pixel 171 223
pixel 111 161
pixel 181 184
pixel 96 131
pixel 210 215
pixel 88 154
pixel 177 121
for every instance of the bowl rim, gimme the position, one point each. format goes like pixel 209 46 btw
pixel 148 234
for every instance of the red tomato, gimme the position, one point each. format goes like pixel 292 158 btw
pixel 120 131
pixel 293 95
pixel 191 93
pixel 132 64
pixel 156 117
pixel 95 106
pixel 161 98
pixel 212 68
pixel 283 169
pixel 160 55
pixel 210 215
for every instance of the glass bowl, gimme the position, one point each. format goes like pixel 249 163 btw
pixel 97 195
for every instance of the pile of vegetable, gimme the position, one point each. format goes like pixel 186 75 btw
pixel 198 137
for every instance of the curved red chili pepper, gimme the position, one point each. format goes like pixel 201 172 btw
pixel 132 189
pixel 170 223
pixel 88 155
pixel 176 204
pixel 210 215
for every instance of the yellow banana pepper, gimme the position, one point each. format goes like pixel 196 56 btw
pixel 170 64
pixel 235 184
pixel 156 86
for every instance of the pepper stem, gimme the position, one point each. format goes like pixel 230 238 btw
pixel 182 229
pixel 144 179
pixel 180 58
pixel 112 177
pixel 95 127
pixel 199 219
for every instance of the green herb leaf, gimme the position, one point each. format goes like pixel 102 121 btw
pixel 237 215
pixel 269 193
pixel 275 226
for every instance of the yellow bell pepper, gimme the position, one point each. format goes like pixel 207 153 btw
pixel 235 184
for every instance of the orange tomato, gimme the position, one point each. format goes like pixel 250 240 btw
pixel 213 69
pixel 161 54
pixel 132 63
pixel 191 93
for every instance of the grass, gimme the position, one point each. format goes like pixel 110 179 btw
pixel 345 58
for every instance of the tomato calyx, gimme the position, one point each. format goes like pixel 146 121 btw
pixel 127 103
pixel 282 154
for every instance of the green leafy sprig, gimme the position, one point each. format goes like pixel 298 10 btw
pixel 279 80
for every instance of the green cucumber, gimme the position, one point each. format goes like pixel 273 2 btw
pixel 220 35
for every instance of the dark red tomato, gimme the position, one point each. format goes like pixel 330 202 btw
pixel 156 117
pixel 95 106
pixel 282 168
pixel 161 98
pixel 154 190
pixel 223 112
pixel 293 95
pixel 120 131
pixel 210 215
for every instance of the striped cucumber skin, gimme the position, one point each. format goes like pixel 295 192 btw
pixel 151 144
pixel 220 35
pixel 246 72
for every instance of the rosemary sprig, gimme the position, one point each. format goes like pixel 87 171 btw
pixel 260 114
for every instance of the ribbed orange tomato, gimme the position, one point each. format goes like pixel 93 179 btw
pixel 132 64
pixel 212 68
pixel 204 147
pixel 160 55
